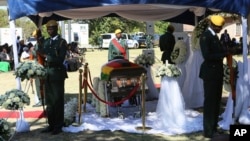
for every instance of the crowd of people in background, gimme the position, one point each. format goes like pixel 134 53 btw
pixel 231 43
pixel 24 51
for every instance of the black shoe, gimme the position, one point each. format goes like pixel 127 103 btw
pixel 56 131
pixel 37 105
pixel 47 130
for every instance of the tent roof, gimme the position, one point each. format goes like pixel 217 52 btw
pixel 144 10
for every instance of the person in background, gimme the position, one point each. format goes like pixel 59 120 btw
pixel 19 47
pixel 100 42
pixel 225 40
pixel 118 47
pixel 25 54
pixel 167 42
pixel 34 57
pixel 211 72
pixel 54 50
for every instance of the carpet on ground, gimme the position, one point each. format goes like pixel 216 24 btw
pixel 27 114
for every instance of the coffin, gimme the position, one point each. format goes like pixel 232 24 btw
pixel 121 76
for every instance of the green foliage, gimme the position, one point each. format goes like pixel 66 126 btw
pixel 97 26
pixel 4 18
pixel 161 27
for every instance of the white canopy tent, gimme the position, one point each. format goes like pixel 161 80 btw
pixel 142 10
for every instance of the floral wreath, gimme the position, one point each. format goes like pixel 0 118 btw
pixel 198 30
pixel 14 99
pixel 30 69
pixel 168 70
pixel 226 77
pixel 144 60
pixel 179 53
pixel 5 129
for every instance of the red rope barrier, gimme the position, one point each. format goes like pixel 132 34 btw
pixel 132 93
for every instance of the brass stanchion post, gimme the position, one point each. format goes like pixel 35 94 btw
pixel 143 111
pixel 80 97
pixel 85 75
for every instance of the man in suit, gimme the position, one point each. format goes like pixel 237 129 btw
pixel 211 71
pixel 225 40
pixel 167 42
pixel 118 47
pixel 54 51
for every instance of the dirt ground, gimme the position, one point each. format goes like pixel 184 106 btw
pixel 95 60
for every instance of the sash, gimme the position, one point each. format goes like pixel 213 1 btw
pixel 120 48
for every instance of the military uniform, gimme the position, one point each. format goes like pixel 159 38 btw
pixel 114 51
pixel 55 51
pixel 211 71
pixel 54 82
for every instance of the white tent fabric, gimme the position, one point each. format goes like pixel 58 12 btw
pixel 140 12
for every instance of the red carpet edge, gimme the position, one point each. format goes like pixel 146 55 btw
pixel 27 114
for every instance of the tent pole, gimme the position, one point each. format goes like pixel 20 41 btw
pixel 14 48
pixel 245 49
pixel 195 20
pixel 40 23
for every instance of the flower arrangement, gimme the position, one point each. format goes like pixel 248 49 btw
pixel 198 30
pixel 14 99
pixel 145 60
pixel 226 78
pixel 30 69
pixel 5 131
pixel 179 53
pixel 168 70
pixel 70 111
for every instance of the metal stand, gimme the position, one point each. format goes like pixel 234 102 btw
pixel 79 100
pixel 143 127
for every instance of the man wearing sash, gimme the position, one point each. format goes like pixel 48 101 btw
pixel 118 47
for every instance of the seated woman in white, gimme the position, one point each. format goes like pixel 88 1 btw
pixel 25 54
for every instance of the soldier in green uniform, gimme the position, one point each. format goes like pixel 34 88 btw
pixel 211 72
pixel 54 50
pixel 118 47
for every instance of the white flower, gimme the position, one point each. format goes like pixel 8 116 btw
pixel 4 129
pixel 144 60
pixel 179 53
pixel 169 70
pixel 70 109
pixel 198 30
pixel 14 99
pixel 29 69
